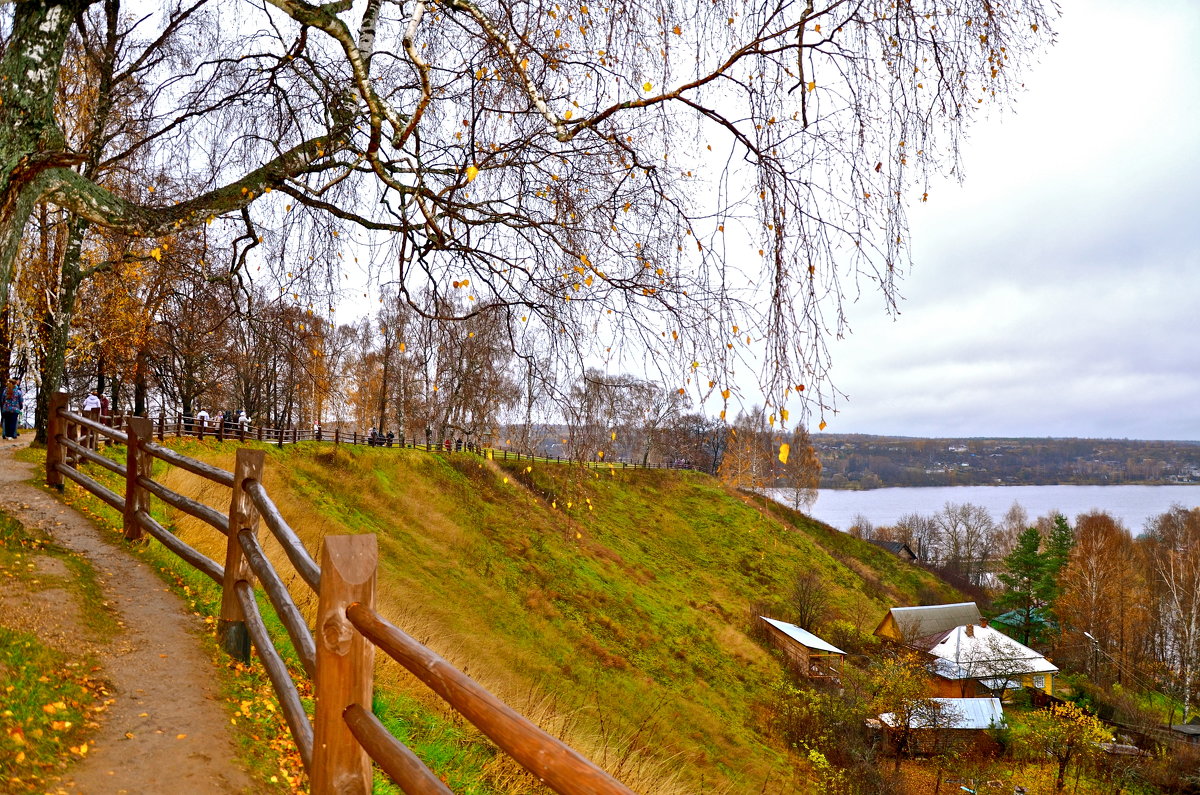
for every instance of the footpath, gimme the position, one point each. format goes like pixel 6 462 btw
pixel 165 730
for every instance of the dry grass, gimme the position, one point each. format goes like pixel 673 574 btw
pixel 608 607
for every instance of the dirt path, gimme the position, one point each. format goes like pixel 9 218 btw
pixel 165 731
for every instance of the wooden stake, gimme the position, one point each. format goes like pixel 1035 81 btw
pixel 231 629
pixel 345 664
pixel 137 462
pixel 54 450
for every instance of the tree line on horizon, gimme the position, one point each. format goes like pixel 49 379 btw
pixel 866 462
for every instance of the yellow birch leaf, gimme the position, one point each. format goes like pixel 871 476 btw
pixel 812 85
pixel 647 87
pixel 472 172
pixel 725 394
pixel 821 427
pixel 784 449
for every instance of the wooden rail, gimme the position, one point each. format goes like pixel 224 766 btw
pixel 343 738
pixel 181 427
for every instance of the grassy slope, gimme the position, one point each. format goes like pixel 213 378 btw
pixel 612 604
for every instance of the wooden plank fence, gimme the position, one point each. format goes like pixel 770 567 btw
pixel 216 428
pixel 344 737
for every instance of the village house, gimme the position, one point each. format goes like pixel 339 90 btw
pixel 906 623
pixel 942 724
pixel 814 657
pixel 897 548
pixel 978 660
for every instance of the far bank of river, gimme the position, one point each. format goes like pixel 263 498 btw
pixel 1133 505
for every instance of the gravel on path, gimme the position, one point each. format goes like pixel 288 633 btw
pixel 166 730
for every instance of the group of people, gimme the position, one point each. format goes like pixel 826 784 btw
pixel 379 439
pixel 13 404
pixel 240 422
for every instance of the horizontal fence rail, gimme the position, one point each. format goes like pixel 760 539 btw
pixel 182 426
pixel 338 745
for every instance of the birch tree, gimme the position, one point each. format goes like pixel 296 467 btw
pixel 601 172
pixel 1175 559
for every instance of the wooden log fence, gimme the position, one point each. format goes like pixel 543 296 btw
pixel 183 426
pixel 344 738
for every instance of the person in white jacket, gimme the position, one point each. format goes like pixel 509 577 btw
pixel 202 418
pixel 92 401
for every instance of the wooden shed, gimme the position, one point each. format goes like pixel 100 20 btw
pixel 816 658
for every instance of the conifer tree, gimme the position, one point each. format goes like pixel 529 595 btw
pixel 1024 569
pixel 1059 542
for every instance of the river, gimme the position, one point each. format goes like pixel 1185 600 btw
pixel 1133 505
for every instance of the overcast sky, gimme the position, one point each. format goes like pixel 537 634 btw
pixel 1055 293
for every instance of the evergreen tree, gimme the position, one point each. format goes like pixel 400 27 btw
pixel 1059 542
pixel 1023 574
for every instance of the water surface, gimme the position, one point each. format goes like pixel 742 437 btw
pixel 1133 505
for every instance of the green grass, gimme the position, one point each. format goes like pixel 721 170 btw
pixel 623 592
pixel 610 604
pixel 48 698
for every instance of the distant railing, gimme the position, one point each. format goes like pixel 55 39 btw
pixel 344 736
pixel 222 430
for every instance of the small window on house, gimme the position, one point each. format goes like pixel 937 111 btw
pixel 1039 682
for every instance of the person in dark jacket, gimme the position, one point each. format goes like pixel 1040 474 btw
pixel 13 401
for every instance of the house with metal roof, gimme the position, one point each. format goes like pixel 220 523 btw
pixel 816 658
pixel 905 623
pixel 897 548
pixel 977 659
pixel 940 724
pixel 955 713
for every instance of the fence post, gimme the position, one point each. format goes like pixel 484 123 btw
pixel 162 425
pixel 345 664
pixel 337 436
pixel 231 629
pixel 91 435
pixel 54 450
pixel 137 462
pixel 260 432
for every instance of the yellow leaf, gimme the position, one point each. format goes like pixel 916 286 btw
pixel 567 115
pixel 156 253
pixel 784 414
pixel 647 87
pixel 506 480
pixel 678 31
pixel 402 347
pixel 784 449
pixel 614 436
pixel 725 394
pixel 524 64
pixel 812 85
pixel 472 172
pixel 821 427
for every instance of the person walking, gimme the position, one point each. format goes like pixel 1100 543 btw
pixel 92 401
pixel 13 401
pixel 202 418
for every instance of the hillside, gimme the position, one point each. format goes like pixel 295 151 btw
pixel 611 605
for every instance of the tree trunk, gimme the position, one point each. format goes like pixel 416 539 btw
pixel 30 140
pixel 56 324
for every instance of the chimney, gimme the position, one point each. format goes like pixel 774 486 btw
pixel 983 622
